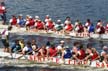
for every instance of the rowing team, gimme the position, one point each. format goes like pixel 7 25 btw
pixel 36 23
pixel 77 52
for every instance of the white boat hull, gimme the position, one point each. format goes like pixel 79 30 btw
pixel 22 31
pixel 54 60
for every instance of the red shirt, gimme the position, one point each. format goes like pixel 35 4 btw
pixel 31 22
pixel 14 21
pixel 52 52
pixel 94 56
pixel 69 27
pixel 2 9
pixel 50 25
pixel 39 25
pixel 81 54
pixel 44 52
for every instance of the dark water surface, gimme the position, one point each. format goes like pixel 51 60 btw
pixel 59 9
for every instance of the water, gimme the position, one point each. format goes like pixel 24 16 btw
pixel 59 9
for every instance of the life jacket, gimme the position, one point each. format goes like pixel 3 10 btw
pixel 68 54
pixel 102 30
pixel 52 52
pixel 91 28
pixel 14 21
pixel 69 27
pixel 81 29
pixel 82 54
pixel 31 22
pixel 21 22
pixel 95 55
pixel 44 52
pixel 40 25
pixel 58 27
pixel 16 47
pixel 29 51
pixel 50 25
pixel 2 10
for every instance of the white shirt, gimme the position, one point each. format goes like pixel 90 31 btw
pixel 10 21
pixel 4 34
pixel 25 48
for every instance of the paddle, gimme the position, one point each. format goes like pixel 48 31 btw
pixel 24 55
pixel 28 53
pixel 14 53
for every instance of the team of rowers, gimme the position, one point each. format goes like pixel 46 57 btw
pixel 48 24
pixel 61 50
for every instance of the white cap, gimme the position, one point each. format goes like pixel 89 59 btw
pixel 61 41
pixel 105 47
pixel 37 17
pixel 58 20
pixel 67 22
pixel 27 15
pixel 47 15
pixel 30 16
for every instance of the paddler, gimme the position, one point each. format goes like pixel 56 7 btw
pixel 58 26
pixel 27 49
pixel 88 23
pixel 104 54
pixel 52 51
pixel 30 23
pixel 68 20
pixel 99 27
pixel 90 27
pixel 60 48
pixel 67 53
pixel 16 48
pixel 78 27
pixel 95 54
pixel 21 21
pixel 68 25
pixel 47 17
pixel 3 12
pixel 22 43
pixel 80 54
pixel 42 52
pixel 13 20
pixel 92 54
pixel 39 25
pixel 50 25
pixel 75 47
pixel 5 38
pixel 34 46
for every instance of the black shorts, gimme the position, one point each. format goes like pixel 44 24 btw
pixel 5 43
